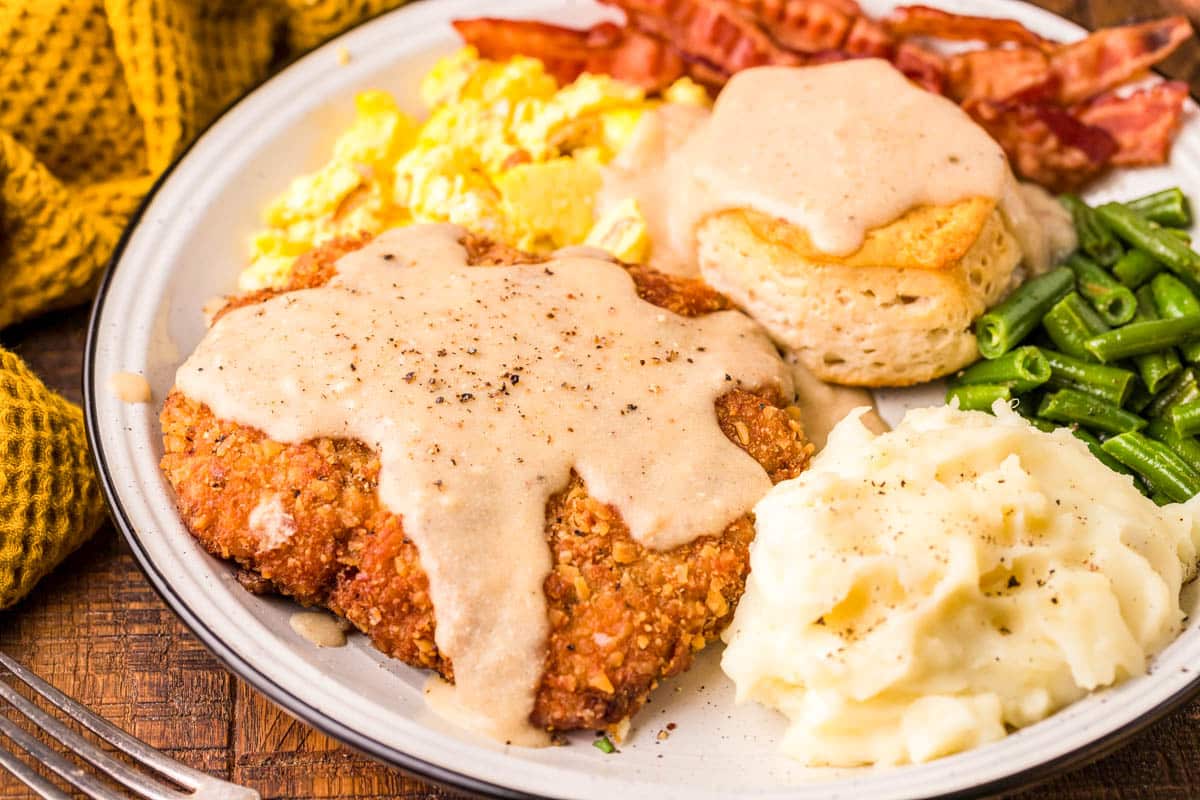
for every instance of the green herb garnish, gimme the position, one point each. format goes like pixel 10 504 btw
pixel 604 745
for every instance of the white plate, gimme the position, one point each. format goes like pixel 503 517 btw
pixel 188 243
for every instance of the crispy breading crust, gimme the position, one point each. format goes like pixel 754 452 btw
pixel 621 617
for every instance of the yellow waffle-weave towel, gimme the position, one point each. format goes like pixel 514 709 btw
pixel 49 499
pixel 97 97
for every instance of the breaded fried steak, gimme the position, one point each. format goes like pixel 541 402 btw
pixel 307 518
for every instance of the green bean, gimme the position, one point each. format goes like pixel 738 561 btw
pixel 1093 444
pixel 978 397
pixel 1113 301
pixel 1161 499
pixel 1095 238
pixel 1072 406
pixel 1070 323
pixel 1043 425
pixel 1108 383
pixel 1139 398
pixel 1003 328
pixel 1159 367
pixel 1139 338
pixel 1168 207
pixel 1161 466
pixel 1185 418
pixel 1021 370
pixel 1187 447
pixel 1180 234
pixel 1135 268
pixel 1183 389
pixel 1145 235
pixel 1172 299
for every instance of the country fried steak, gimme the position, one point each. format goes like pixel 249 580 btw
pixel 305 520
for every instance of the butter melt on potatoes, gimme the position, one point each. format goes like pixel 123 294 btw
pixel 920 592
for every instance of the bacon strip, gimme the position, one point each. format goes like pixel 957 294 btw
pixel 921 66
pixel 869 39
pixel 1001 75
pixel 715 32
pixel 1110 57
pixel 1142 123
pixel 567 53
pixel 806 26
pixel 1045 143
pixel 933 22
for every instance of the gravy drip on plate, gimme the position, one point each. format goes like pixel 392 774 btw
pixel 836 149
pixel 823 405
pixel 481 388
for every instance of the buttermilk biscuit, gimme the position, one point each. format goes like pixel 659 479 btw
pixel 896 312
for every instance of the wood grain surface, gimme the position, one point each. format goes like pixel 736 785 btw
pixel 97 630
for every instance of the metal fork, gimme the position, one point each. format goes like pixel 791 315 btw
pixel 199 785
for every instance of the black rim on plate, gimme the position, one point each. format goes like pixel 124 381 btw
pixel 358 740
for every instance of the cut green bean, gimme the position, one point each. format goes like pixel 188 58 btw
pixel 1139 338
pixel 1157 368
pixel 1185 418
pixel 1180 234
pixel 1146 235
pixel 1139 399
pixel 1021 370
pixel 1169 207
pixel 1183 389
pixel 978 397
pixel 1114 302
pixel 1070 323
pixel 1072 406
pixel 1093 444
pixel 1003 328
pixel 1161 466
pixel 1095 238
pixel 1108 383
pixel 1043 425
pixel 1172 299
pixel 1135 268
pixel 1187 447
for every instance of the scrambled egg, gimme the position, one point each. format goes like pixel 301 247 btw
pixel 506 153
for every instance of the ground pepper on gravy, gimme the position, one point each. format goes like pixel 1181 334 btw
pixel 481 388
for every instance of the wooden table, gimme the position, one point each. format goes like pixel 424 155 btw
pixel 96 629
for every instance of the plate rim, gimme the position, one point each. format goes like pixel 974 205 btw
pixel 295 706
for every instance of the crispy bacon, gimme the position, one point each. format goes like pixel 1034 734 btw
pixel 624 53
pixel 1142 123
pixel 921 66
pixel 1045 143
pixel 933 22
pixel 714 32
pixel 1000 75
pixel 869 39
pixel 806 26
pixel 1110 57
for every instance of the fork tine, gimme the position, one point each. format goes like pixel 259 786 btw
pixel 130 745
pixel 69 772
pixel 28 776
pixel 117 770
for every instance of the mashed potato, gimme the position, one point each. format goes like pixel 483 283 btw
pixel 506 153
pixel 920 592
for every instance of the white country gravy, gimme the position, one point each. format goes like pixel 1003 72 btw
pixel 481 388
pixel 837 150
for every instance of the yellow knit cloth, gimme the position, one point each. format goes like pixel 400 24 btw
pixel 97 97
